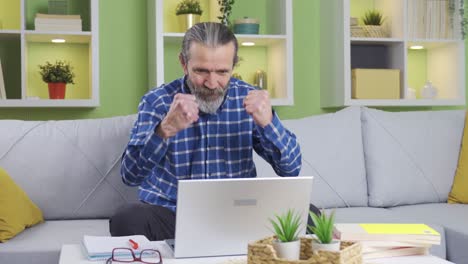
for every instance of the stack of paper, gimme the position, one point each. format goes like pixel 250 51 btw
pixel 100 247
pixel 389 240
pixel 49 22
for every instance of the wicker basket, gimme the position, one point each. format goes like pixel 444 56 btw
pixel 374 31
pixel 357 32
pixel 262 252
pixel 368 32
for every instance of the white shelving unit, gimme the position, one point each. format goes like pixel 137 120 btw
pixel 272 51
pixel 25 48
pixel 442 61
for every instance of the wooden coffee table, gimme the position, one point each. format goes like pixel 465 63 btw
pixel 72 254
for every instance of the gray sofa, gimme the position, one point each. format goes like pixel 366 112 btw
pixel 376 166
pixel 373 166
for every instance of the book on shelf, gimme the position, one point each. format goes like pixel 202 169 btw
pixel 54 16
pixel 56 27
pixel 431 19
pixel 100 247
pixel 394 252
pixel 2 84
pixel 410 233
pixel 48 22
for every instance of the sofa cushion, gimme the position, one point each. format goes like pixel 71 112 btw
pixel 17 211
pixel 408 151
pixel 73 163
pixel 331 146
pixel 453 217
pixel 382 215
pixel 42 243
pixel 459 192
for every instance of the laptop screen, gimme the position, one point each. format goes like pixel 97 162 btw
pixel 219 217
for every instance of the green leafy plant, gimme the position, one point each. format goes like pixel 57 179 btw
pixel 189 7
pixel 225 6
pixel 324 225
pixel 59 72
pixel 286 226
pixel 373 17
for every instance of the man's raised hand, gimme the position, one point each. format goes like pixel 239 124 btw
pixel 182 113
pixel 257 104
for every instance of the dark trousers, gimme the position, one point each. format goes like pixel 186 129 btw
pixel 153 221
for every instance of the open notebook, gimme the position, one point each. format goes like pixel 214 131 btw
pixel 100 247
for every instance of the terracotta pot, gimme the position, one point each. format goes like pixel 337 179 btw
pixel 57 90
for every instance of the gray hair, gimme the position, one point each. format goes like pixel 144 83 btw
pixel 211 34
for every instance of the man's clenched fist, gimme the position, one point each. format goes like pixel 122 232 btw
pixel 257 104
pixel 182 113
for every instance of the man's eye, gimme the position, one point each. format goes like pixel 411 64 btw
pixel 223 73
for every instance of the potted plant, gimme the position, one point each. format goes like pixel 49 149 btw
pixel 189 12
pixel 373 21
pixel 286 229
pixel 225 7
pixel 323 232
pixel 57 76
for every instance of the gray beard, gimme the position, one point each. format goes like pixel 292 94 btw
pixel 209 106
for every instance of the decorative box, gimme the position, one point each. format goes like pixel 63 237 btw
pixel 246 26
pixel 262 252
pixel 375 83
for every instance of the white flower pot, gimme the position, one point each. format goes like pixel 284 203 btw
pixel 288 250
pixel 333 246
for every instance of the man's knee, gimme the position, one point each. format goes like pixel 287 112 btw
pixel 153 221
pixel 128 220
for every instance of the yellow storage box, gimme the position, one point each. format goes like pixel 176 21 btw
pixel 375 83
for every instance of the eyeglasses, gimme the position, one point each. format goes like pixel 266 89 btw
pixel 126 255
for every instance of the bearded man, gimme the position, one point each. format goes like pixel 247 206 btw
pixel 201 126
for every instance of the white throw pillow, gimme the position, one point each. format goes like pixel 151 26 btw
pixel 332 152
pixel 411 157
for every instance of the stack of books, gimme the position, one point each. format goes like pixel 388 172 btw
pixel 389 240
pixel 50 22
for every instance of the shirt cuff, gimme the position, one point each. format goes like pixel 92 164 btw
pixel 154 145
pixel 273 131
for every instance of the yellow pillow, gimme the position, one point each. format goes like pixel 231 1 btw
pixel 459 193
pixel 17 211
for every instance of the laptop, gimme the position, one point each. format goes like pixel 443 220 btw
pixel 219 217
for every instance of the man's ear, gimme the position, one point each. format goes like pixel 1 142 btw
pixel 183 63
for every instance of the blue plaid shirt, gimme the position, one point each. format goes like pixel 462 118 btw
pixel 216 146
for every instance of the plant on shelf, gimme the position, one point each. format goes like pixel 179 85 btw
pixel 189 12
pixel 373 21
pixel 286 229
pixel 323 232
pixel 57 76
pixel 373 17
pixel 189 7
pixel 225 7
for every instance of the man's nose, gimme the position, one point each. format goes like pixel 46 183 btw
pixel 212 81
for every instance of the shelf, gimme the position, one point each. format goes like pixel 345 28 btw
pixel 47 103
pixel 272 52
pixel 22 49
pixel 46 37
pixel 404 102
pixel 442 61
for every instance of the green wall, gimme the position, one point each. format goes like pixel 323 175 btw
pixel 123 64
